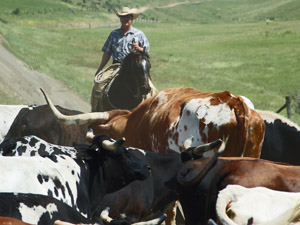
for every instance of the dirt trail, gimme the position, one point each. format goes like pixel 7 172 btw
pixel 17 78
pixel 170 5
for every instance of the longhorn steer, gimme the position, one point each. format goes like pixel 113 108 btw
pixel 40 121
pixel 239 205
pixel 282 139
pixel 198 192
pixel 174 116
pixel 79 177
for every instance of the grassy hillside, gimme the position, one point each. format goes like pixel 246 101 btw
pixel 56 12
pixel 249 47
pixel 228 11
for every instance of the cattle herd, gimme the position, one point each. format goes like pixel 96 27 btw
pixel 180 157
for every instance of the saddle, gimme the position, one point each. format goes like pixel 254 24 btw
pixel 107 74
pixel 101 81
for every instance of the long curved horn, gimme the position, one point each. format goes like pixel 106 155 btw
pixel 204 170
pixel 199 150
pixel 59 222
pixel 104 215
pixel 80 119
pixel 112 145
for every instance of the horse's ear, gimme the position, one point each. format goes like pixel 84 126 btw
pixel 133 41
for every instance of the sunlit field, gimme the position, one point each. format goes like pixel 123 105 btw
pixel 199 45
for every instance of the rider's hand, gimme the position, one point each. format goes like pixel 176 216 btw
pixel 136 47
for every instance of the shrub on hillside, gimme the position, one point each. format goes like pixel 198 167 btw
pixel 16 11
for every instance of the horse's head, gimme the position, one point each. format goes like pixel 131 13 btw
pixel 138 66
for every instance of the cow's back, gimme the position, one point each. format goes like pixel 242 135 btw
pixel 282 139
pixel 176 115
pixel 40 121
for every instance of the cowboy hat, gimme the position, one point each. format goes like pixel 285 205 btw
pixel 127 11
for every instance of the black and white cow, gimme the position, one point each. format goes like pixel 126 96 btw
pixel 78 177
pixel 139 200
pixel 45 210
pixel 34 146
pixel 38 209
pixel 282 139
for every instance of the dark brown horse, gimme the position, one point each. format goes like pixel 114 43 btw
pixel 131 85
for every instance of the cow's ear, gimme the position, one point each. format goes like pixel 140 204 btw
pixel 187 174
pixel 186 156
pixel 85 151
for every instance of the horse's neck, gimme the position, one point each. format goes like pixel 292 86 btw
pixel 120 94
pixel 126 78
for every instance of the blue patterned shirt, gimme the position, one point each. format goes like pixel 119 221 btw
pixel 118 45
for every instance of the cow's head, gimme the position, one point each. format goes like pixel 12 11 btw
pixel 188 175
pixel 118 166
pixel 112 167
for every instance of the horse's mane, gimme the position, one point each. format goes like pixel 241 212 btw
pixel 130 56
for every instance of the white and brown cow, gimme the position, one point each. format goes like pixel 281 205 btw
pixel 178 116
pixel 258 205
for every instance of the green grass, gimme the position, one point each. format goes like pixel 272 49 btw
pixel 228 11
pixel 211 46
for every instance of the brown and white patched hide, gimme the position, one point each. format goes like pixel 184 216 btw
pixel 176 115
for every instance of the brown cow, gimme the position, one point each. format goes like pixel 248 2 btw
pixel 39 121
pixel 11 221
pixel 198 192
pixel 177 116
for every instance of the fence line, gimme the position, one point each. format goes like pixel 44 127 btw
pixel 287 105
